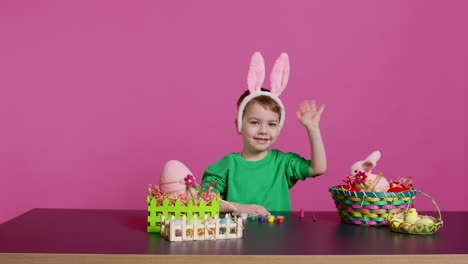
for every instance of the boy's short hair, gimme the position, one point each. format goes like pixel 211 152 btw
pixel 266 101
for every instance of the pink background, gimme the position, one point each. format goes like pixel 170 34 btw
pixel 95 96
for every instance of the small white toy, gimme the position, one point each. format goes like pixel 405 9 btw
pixel 376 183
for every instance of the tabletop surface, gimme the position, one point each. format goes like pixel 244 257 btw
pixel 87 231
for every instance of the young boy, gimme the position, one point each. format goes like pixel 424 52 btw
pixel 257 180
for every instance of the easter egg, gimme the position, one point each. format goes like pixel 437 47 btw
pixel 172 177
pixel 396 222
pixel 398 216
pixel 225 221
pixel 425 221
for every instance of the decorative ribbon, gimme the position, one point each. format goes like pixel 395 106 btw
pixel 376 181
pixel 179 181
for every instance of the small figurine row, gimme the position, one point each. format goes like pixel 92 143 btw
pixel 196 229
pixel 260 218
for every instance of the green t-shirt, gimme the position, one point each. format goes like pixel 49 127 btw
pixel 265 182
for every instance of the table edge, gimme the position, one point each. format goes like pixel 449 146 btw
pixel 226 259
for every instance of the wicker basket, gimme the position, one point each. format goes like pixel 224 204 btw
pixel 370 208
pixel 418 228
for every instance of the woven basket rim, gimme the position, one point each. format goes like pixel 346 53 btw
pixel 384 201
pixel 438 224
pixel 333 189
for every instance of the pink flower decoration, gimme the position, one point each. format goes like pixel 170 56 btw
pixel 207 196
pixel 361 177
pixel 193 192
pixel 189 180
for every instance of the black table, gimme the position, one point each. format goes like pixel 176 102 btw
pixel 53 235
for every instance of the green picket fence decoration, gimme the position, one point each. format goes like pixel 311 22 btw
pixel 155 212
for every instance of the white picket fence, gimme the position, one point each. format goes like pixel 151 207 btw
pixel 206 229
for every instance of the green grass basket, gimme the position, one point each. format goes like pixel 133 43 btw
pixel 178 211
pixel 370 208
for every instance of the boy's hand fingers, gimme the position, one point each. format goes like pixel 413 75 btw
pixel 263 210
pixel 313 105
pixel 303 107
pixel 320 111
pixel 307 106
pixel 258 209
pixel 298 115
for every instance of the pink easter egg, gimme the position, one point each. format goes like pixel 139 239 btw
pixel 172 177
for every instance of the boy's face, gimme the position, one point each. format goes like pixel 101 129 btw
pixel 259 128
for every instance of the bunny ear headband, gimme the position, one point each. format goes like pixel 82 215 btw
pixel 279 78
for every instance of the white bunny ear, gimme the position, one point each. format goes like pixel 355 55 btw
pixel 368 165
pixel 374 157
pixel 280 74
pixel 256 74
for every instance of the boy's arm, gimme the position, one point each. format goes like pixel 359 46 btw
pixel 318 164
pixel 218 183
pixel 228 207
pixel 309 117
